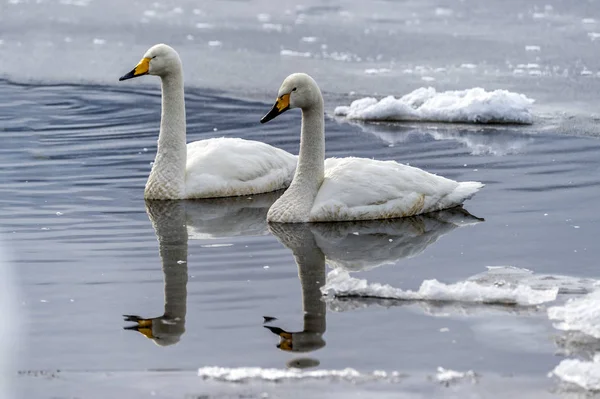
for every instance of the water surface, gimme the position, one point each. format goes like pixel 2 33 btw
pixel 88 249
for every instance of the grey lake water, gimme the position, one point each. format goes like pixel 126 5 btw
pixel 89 256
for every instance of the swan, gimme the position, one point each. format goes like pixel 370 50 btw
pixel 216 167
pixel 346 189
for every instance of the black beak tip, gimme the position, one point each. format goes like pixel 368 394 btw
pixel 129 75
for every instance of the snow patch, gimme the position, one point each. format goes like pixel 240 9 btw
pixel 426 104
pixel 578 314
pixel 245 374
pixel 292 53
pixel 341 284
pixel 376 71
pixel 584 374
pixel 447 376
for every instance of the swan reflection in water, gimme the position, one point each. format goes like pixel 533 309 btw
pixel 176 221
pixel 353 246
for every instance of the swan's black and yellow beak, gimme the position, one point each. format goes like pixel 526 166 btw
pixel 140 69
pixel 281 105
pixel 143 326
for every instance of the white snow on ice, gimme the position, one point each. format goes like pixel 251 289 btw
pixel 245 374
pixel 292 53
pixel 579 314
pixel 447 376
pixel 341 284
pixel 426 104
pixel 585 374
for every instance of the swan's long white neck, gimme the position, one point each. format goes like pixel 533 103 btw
pixel 167 178
pixel 295 204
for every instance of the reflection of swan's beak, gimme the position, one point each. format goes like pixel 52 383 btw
pixel 281 105
pixel 286 343
pixel 143 326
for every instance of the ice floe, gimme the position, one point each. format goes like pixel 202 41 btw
pixel 247 374
pixel 426 104
pixel 447 376
pixel 579 314
pixel 585 374
pixel 341 284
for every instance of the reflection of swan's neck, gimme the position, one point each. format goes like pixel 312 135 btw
pixel 298 199
pixel 169 222
pixel 312 278
pixel 311 271
pixel 167 179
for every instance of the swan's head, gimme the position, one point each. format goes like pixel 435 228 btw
pixel 159 60
pixel 297 91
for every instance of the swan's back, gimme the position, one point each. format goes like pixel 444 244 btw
pixel 221 167
pixel 365 189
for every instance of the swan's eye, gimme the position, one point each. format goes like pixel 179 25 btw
pixel 153 57
pixel 294 89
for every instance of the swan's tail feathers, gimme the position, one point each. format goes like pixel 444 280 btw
pixel 464 191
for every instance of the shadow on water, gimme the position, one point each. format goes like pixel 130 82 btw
pixel 355 246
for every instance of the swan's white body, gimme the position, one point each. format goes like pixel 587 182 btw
pixel 219 167
pixel 228 167
pixel 345 189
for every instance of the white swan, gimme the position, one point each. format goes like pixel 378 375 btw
pixel 217 167
pixel 343 189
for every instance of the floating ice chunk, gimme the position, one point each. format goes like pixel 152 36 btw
pixel 215 43
pixel 533 48
pixel 425 104
pixel 272 27
pixel 588 21
pixel 309 39
pixel 443 12
pixel 427 78
pixel 586 72
pixel 594 35
pixel 79 3
pixel 245 374
pixel 579 314
pixel 341 56
pixel 190 37
pixel 582 373
pixel 447 376
pixel 99 41
pixel 376 71
pixel 150 13
pixel 204 25
pixel 292 53
pixel 263 17
pixel 341 284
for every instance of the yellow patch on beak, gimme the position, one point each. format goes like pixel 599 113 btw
pixel 142 67
pixel 281 105
pixel 283 102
